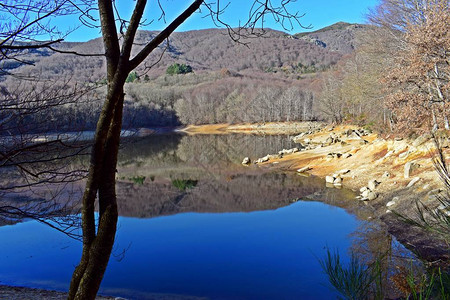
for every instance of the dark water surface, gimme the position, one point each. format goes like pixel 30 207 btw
pixel 202 225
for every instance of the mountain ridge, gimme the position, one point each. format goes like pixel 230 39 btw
pixel 211 49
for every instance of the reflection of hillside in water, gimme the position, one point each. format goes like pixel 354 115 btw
pixel 240 192
pixel 203 151
pixel 222 184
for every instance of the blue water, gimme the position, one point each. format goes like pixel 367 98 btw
pixel 257 255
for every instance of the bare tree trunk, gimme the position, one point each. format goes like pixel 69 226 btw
pixel 97 246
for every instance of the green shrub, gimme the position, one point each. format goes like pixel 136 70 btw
pixel 178 69
pixel 137 179
pixel 131 77
pixel 184 184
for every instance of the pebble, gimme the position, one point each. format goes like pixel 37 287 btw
pixel 412 182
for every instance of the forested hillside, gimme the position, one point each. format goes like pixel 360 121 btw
pixel 273 78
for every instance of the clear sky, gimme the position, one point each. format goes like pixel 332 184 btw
pixel 318 14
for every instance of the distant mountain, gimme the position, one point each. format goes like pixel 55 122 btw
pixel 340 37
pixel 211 49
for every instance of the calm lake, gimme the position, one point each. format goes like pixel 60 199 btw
pixel 195 224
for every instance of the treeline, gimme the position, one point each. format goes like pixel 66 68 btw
pixel 220 97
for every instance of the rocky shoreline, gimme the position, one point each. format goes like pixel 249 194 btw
pixel 389 174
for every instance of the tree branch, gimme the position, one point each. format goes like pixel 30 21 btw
pixel 164 34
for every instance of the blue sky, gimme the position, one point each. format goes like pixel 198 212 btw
pixel 318 14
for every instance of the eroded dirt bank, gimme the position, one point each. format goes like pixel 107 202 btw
pixel 394 172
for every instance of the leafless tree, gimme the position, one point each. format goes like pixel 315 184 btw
pixel 34 164
pixel 98 237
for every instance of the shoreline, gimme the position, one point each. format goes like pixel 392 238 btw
pixel 366 157
pixel 358 159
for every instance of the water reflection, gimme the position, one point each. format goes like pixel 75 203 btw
pixel 184 231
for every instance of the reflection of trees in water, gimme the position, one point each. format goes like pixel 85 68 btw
pixel 155 150
pixel 41 181
pixel 205 159
pixel 372 241
pixel 238 192
pixel 211 149
pixel 193 156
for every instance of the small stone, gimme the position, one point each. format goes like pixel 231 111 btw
pixel 304 169
pixel 404 155
pixel 412 182
pixel 246 161
pixel 262 159
pixel 363 142
pixel 372 196
pixel 337 181
pixel 329 179
pixel 386 174
pixel 365 194
pixel 372 184
pixel 364 188
pixel 390 203
pixel 343 171
pixel 388 154
pixel 398 139
pixel 409 167
pixel 346 155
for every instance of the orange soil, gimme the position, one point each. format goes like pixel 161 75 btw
pixel 366 163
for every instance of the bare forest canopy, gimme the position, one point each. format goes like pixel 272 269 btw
pixel 273 78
